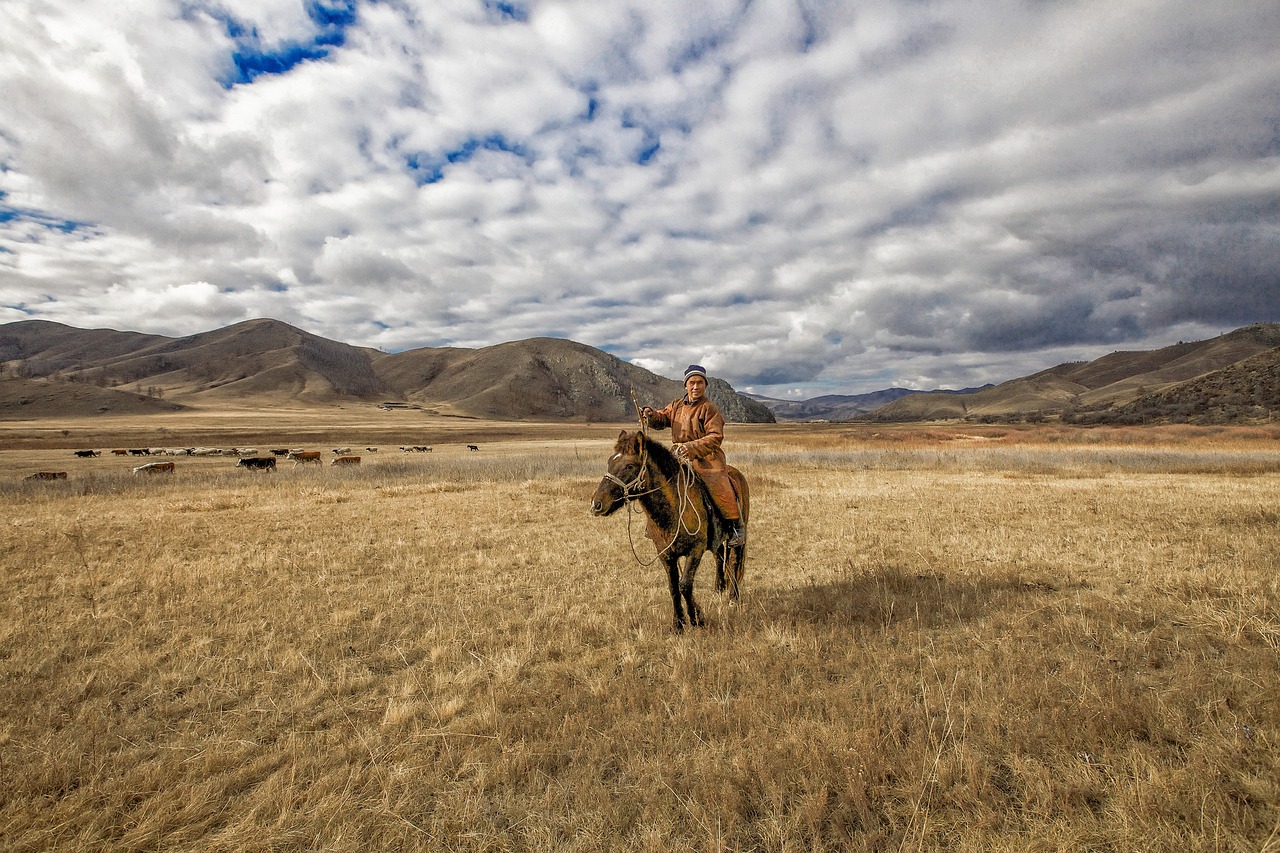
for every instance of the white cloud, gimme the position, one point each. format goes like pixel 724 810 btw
pixel 803 195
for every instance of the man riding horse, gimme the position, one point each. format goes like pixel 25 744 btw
pixel 697 429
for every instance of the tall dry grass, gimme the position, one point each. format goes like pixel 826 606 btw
pixel 944 643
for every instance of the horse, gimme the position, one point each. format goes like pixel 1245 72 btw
pixel 682 518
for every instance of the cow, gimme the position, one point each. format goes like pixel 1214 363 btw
pixel 139 451
pixel 257 463
pixel 372 449
pixel 119 452
pixel 279 451
pixel 472 447
pixel 304 456
pixel 88 454
pixel 341 451
pixel 345 460
pixel 415 448
pixel 48 475
pixel 155 468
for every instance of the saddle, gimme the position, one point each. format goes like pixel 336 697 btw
pixel 740 492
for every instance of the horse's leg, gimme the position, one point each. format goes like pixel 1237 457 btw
pixel 686 586
pixel 673 578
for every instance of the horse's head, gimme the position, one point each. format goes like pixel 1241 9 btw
pixel 624 475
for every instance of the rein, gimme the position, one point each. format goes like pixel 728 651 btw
pixel 684 484
pixel 685 481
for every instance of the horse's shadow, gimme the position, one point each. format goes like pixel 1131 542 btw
pixel 890 596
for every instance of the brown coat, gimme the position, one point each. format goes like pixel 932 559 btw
pixel 700 428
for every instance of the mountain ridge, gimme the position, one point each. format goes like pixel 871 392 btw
pixel 1107 386
pixel 265 361
pixel 55 368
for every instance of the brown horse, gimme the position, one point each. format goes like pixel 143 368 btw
pixel 682 519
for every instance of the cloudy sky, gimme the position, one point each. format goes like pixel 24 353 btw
pixel 807 196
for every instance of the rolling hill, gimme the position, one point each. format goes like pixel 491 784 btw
pixel 52 369
pixel 839 407
pixel 35 398
pixel 1183 371
pixel 1248 390
pixel 59 369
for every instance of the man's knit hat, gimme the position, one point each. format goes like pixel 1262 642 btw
pixel 695 370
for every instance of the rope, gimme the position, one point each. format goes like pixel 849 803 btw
pixel 684 499
pixel 684 483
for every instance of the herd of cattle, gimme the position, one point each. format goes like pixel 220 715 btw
pixel 247 458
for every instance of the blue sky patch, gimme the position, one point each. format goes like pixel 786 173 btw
pixel 508 11
pixel 429 168
pixel 651 142
pixel 251 60
pixel 9 213
pixel 649 149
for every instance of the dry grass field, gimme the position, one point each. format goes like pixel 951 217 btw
pixel 949 639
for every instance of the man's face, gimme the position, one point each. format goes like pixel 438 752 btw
pixel 695 387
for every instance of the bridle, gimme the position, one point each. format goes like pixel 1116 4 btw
pixel 639 481
pixel 684 487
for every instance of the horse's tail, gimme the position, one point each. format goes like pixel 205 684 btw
pixel 744 493
pixel 737 561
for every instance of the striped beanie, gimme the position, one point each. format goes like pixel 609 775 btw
pixel 695 370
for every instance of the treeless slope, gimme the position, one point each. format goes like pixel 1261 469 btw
pixel 43 398
pixel 1244 391
pixel 272 363
pixel 1115 378
pixel 535 378
pixel 1043 390
pixel 263 358
pixel 544 378
pixel 45 347
pixel 254 359
pixel 1163 368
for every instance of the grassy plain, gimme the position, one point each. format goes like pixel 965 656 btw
pixel 950 638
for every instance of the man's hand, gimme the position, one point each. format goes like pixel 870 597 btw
pixel 682 453
pixel 646 412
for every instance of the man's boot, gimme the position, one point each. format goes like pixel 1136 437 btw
pixel 737 534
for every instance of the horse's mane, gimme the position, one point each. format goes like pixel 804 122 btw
pixel 662 456
pixel 655 450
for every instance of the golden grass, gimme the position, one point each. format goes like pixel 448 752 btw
pixel 1011 641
